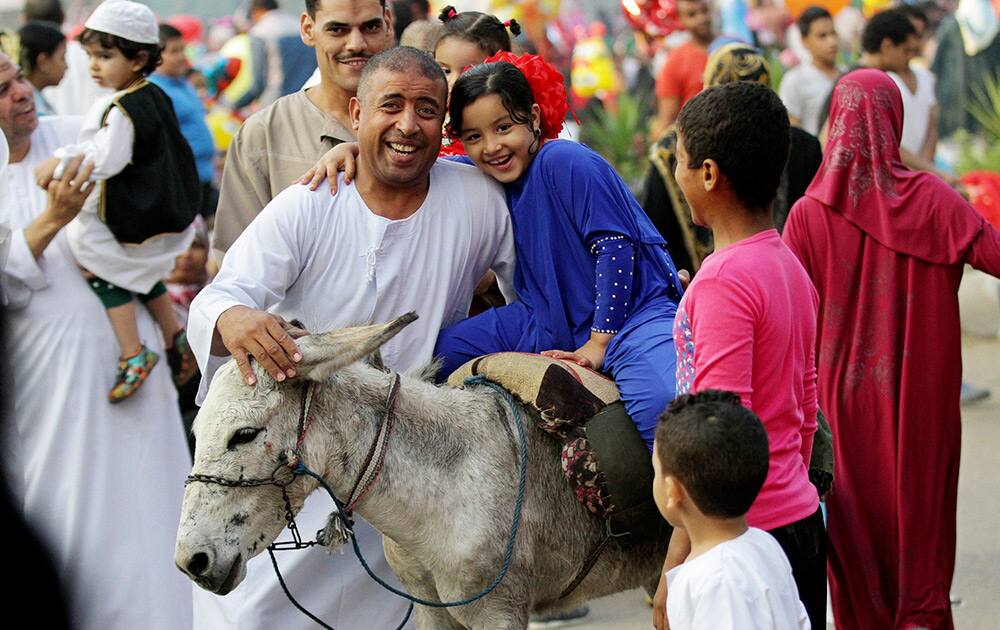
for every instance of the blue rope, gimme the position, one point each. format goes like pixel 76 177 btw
pixel 302 469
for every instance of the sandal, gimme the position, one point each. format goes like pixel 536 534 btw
pixel 181 359
pixel 132 372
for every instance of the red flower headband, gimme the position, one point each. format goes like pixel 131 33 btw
pixel 547 86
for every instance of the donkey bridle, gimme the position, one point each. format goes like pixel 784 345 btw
pixel 288 469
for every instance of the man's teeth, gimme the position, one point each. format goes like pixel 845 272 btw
pixel 402 148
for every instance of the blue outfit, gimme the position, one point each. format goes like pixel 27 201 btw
pixel 191 116
pixel 588 258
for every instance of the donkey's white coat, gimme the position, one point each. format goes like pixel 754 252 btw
pixel 444 500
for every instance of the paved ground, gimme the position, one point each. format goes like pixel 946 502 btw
pixel 977 575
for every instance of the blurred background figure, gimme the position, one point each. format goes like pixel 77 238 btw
pixel 288 62
pixel 407 12
pixel 171 77
pixel 806 87
pixel 74 94
pixel 42 59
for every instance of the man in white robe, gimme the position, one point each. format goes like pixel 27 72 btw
pixel 102 484
pixel 409 234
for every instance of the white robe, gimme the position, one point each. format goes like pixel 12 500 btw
pixel 101 483
pixel 329 262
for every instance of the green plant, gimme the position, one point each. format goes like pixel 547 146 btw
pixel 975 154
pixel 617 134
pixel 985 105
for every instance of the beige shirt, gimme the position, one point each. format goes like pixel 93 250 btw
pixel 272 149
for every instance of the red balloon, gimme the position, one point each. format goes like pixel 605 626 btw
pixel 190 27
pixel 656 18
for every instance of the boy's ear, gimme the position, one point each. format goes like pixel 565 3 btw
pixel 710 174
pixel 676 493
pixel 139 61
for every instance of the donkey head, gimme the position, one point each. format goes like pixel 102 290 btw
pixel 244 435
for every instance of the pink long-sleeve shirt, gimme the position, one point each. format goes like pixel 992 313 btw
pixel 747 324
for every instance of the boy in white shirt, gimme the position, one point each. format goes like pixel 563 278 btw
pixel 710 459
pixel 805 88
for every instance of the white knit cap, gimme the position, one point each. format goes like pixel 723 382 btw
pixel 126 19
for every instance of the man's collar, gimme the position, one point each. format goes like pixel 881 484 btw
pixel 332 128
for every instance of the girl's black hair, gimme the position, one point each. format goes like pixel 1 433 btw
pixel 37 38
pixel 482 29
pixel 129 49
pixel 500 78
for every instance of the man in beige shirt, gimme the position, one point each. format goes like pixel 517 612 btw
pixel 275 146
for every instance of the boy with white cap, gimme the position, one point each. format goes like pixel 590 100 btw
pixel 130 231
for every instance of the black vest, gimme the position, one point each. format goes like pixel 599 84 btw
pixel 159 191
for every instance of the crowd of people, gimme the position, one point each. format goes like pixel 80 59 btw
pixel 772 279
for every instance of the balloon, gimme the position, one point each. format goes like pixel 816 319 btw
pixel 655 18
pixel 190 27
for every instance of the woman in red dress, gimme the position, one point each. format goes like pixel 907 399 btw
pixel 885 247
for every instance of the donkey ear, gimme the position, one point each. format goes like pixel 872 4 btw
pixel 325 353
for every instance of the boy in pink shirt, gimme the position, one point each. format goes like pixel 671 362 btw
pixel 747 323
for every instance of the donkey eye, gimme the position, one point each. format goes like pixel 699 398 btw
pixel 242 436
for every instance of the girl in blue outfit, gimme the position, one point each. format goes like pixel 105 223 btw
pixel 594 280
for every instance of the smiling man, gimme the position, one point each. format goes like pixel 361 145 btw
pixel 410 234
pixel 277 144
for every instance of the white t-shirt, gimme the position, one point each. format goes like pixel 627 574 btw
pixel 804 90
pixel 917 108
pixel 745 583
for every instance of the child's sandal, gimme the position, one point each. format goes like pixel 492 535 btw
pixel 132 372
pixel 181 359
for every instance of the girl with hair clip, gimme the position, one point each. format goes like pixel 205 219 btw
pixel 595 282
pixel 468 39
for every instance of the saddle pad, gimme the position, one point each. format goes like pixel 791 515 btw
pixel 568 398
pixel 558 388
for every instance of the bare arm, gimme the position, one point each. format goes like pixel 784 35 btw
pixel 666 115
pixel 677 551
pixel 931 139
pixel 918 163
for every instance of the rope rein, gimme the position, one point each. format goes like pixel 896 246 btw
pixel 373 466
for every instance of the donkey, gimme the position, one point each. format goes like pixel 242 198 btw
pixel 443 500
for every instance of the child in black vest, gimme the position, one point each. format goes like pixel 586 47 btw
pixel 139 218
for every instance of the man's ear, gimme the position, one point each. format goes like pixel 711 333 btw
pixel 387 16
pixel 306 25
pixel 710 174
pixel 354 110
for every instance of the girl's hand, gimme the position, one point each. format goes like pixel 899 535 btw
pixel 589 355
pixel 342 157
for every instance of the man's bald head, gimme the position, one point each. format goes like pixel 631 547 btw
pixel 402 60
